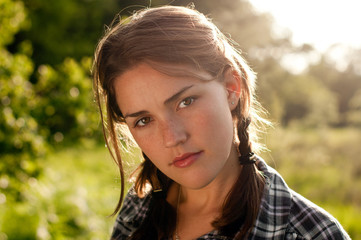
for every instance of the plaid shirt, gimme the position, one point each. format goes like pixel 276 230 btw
pixel 283 214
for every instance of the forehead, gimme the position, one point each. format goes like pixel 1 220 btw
pixel 144 77
pixel 144 83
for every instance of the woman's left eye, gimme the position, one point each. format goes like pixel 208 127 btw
pixel 186 102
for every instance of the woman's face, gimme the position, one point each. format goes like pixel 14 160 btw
pixel 183 124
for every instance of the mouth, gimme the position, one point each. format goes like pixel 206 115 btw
pixel 186 159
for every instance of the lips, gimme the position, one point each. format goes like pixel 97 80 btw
pixel 186 159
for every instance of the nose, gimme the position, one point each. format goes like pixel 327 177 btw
pixel 173 133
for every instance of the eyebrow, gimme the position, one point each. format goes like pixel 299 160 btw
pixel 177 95
pixel 136 114
pixel 173 98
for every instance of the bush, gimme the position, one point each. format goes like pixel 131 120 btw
pixel 35 115
pixel 65 108
pixel 21 139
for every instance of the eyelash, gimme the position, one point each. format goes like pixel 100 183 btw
pixel 184 100
pixel 136 124
pixel 140 121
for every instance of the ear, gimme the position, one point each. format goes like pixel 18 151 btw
pixel 233 84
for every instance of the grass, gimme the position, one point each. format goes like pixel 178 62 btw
pixel 72 200
pixel 92 176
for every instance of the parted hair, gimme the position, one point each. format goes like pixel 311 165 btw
pixel 167 37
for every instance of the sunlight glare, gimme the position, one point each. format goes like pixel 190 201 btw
pixel 320 23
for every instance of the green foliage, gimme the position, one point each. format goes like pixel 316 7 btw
pixel 354 114
pixel 59 106
pixel 20 136
pixel 12 18
pixel 65 106
pixel 309 101
pixel 316 162
pixel 345 85
pixel 321 96
pixel 295 98
pixel 19 129
pixel 37 114
pixel 56 207
pixel 67 28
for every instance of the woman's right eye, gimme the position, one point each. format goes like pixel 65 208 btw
pixel 142 122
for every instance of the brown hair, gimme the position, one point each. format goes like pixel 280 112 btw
pixel 171 36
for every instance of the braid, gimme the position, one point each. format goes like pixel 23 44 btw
pixel 252 182
pixel 242 203
pixel 245 145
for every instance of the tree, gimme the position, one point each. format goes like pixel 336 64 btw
pixel 63 29
pixel 344 84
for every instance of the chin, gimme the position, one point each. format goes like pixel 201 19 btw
pixel 196 184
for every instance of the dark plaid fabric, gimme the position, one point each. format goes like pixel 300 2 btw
pixel 283 214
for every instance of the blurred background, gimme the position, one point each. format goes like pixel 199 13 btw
pixel 57 180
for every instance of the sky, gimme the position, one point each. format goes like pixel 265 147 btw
pixel 321 23
pixel 318 22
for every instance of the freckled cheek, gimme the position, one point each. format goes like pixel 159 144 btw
pixel 213 124
pixel 148 143
pixel 211 117
pixel 201 118
pixel 200 125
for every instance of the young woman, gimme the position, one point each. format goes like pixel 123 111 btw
pixel 172 80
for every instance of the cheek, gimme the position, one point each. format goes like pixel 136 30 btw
pixel 144 142
pixel 149 143
pixel 215 121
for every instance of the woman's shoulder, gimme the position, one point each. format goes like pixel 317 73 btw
pixel 312 222
pixel 285 213
pixel 133 212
